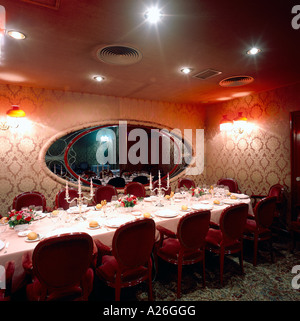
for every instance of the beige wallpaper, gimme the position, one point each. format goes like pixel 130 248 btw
pixel 54 113
pixel 259 158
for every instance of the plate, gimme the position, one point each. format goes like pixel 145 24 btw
pixel 75 210
pixel 231 201
pixel 166 213
pixel 1 245
pixel 202 207
pixel 148 199
pixel 24 233
pixel 136 213
pixel 94 228
pixel 242 196
pixel 117 221
pixel 221 204
pixel 40 216
pixel 35 240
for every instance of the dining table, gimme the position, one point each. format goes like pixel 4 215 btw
pixel 165 212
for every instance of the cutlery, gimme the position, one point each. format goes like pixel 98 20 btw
pixel 6 246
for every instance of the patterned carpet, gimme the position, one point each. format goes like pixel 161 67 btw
pixel 266 282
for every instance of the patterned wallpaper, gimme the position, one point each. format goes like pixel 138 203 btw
pixel 257 159
pixel 52 114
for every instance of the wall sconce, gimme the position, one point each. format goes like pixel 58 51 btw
pixel 13 116
pixel 237 125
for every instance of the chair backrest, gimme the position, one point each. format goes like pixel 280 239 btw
pixel 29 198
pixel 163 184
pixel 135 188
pixel 104 193
pixel 186 182
pixel 278 191
pixel 141 179
pixel 192 229
pixel 231 183
pixel 233 220
pixel 62 261
pixel 264 211
pixel 60 197
pixel 117 182
pixel 133 243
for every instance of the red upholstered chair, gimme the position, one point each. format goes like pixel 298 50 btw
pixel 187 246
pixel 61 268
pixel 129 262
pixel 9 272
pixel 135 188
pixel 229 238
pixel 258 229
pixel 29 198
pixel 186 182
pixel 163 184
pixel 60 198
pixel 104 193
pixel 231 183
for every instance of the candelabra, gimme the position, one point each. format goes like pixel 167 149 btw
pixel 159 188
pixel 80 198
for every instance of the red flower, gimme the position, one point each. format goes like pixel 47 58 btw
pixel 122 204
pixel 129 199
pixel 28 219
pixel 19 217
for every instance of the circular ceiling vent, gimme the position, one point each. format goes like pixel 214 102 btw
pixel 119 55
pixel 236 81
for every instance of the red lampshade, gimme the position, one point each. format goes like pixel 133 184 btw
pixel 225 124
pixel 16 112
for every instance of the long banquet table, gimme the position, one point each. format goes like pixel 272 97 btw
pixel 166 216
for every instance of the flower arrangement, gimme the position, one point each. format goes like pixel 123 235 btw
pixel 128 201
pixel 197 192
pixel 20 217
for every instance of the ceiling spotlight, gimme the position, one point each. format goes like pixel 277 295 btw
pixel 253 51
pixel 98 78
pixel 153 15
pixel 186 70
pixel 16 34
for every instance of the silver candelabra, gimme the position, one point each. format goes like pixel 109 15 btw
pixel 80 197
pixel 159 188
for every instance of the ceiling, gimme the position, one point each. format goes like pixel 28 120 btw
pixel 62 39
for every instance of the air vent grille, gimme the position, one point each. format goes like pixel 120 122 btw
pixel 236 81
pixel 119 55
pixel 208 73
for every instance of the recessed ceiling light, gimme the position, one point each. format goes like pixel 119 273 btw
pixel 186 70
pixel 153 15
pixel 16 34
pixel 253 51
pixel 98 78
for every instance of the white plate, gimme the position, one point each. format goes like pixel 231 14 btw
pixel 35 240
pixel 242 196
pixel 221 204
pixel 231 201
pixel 94 228
pixel 75 210
pixel 166 213
pixel 136 213
pixel 148 199
pixel 40 216
pixel 202 207
pixel 116 221
pixel 1 245
pixel 204 202
pixel 24 233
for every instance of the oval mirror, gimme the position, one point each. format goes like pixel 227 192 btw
pixel 106 152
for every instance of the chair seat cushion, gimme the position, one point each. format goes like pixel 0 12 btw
pixel 108 269
pixel 214 238
pixel 251 227
pixel 170 250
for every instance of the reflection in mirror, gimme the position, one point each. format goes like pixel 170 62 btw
pixel 129 152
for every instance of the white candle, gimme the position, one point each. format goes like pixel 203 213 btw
pixel 168 181
pixel 79 186
pixel 67 190
pixel 92 192
pixel 150 185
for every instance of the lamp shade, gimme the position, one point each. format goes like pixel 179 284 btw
pixel 240 120
pixel 15 112
pixel 225 124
